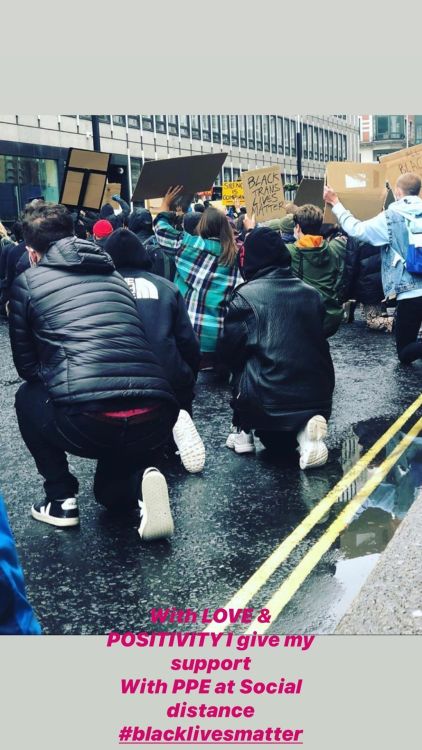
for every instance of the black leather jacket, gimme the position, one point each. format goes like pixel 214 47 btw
pixel 274 342
pixel 75 326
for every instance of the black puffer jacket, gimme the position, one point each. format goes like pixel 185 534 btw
pixel 274 342
pixel 362 276
pixel 74 324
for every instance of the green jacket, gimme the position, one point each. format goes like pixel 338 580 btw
pixel 323 268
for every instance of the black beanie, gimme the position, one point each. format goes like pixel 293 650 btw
pixel 264 248
pixel 106 211
pixel 126 250
pixel 191 221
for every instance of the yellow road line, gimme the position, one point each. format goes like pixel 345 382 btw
pixel 281 553
pixel 289 587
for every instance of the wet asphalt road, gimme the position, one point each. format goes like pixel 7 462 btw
pixel 100 577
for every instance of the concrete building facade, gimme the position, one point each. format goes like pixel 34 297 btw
pixel 33 148
pixel 384 134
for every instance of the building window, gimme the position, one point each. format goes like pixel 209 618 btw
pixel 305 141
pixel 344 148
pixel 336 154
pixel 225 129
pixel 234 127
pixel 160 123
pixel 227 174
pixel 258 130
pixel 85 117
pixel 206 128
pixel 266 131
pixel 173 124
pixel 184 126
pixel 195 121
pixel 243 131
pixel 236 174
pixel 103 118
pixel 389 127
pixel 119 120
pixel 286 137
pixel 316 144
pixel 293 136
pixel 147 122
pixel 216 133
pixel 273 133
pixel 321 144
pixel 24 178
pixel 133 121
pixel 418 128
pixel 331 141
pixel 326 145
pixel 310 142
pixel 280 134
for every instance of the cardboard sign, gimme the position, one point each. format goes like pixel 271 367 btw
pixel 112 188
pixel 85 178
pixel 310 191
pixel 219 205
pixel 400 162
pixel 233 193
pixel 153 205
pixel 194 173
pixel 359 186
pixel 264 194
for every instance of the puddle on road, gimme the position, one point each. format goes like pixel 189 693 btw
pixel 328 592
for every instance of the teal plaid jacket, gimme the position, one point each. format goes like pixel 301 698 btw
pixel 205 284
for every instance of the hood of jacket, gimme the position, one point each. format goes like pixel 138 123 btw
pixel 409 206
pixel 316 256
pixel 140 222
pixel 80 256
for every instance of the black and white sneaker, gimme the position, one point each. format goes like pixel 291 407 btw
pixel 57 512
pixel 155 513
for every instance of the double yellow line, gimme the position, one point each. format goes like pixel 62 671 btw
pixel 289 587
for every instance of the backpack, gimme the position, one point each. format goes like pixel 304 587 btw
pixel 413 260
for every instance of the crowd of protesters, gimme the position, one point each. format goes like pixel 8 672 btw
pixel 112 316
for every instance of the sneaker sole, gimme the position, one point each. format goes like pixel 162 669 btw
pixel 244 449
pixel 318 456
pixel 159 524
pixel 193 455
pixel 52 521
pixel 317 428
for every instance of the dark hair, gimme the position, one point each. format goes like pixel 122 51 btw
pixel 199 208
pixel 45 224
pixel 309 218
pixel 214 224
pixel 17 231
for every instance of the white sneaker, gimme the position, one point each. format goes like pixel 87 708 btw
pixel 156 518
pixel 241 442
pixel 313 451
pixel 189 443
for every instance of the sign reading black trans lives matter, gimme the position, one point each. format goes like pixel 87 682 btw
pixel 264 194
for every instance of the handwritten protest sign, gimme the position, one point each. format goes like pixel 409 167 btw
pixel 400 162
pixel 264 194
pixel 359 186
pixel 232 193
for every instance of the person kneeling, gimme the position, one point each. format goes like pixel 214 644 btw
pixel 274 343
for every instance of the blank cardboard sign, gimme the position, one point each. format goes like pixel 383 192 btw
pixel 310 191
pixel 84 179
pixel 264 194
pixel 400 162
pixel 359 186
pixel 194 173
pixel 111 188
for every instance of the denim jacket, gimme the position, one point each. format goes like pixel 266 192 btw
pixel 387 228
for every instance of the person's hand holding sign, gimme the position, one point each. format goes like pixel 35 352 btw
pixel 169 197
pixel 330 196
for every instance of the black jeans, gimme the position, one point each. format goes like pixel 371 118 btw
pixel 408 322
pixel 123 448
